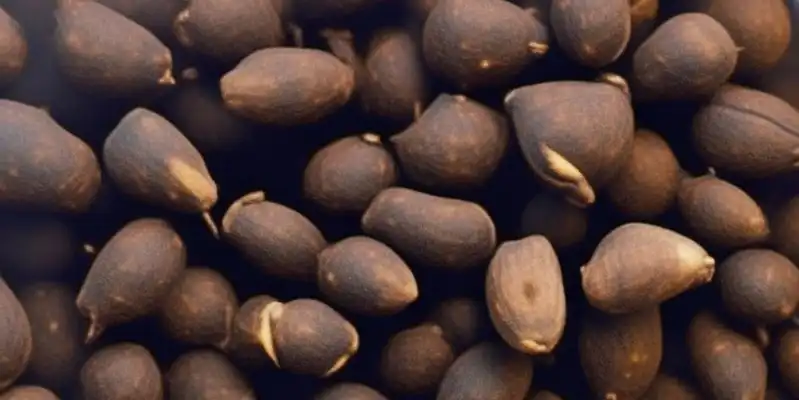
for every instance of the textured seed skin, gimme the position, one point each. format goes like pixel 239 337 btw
pixel 637 266
pixel 787 357
pixel 592 32
pixel 125 61
pixel 131 275
pixel 463 322
pixel 279 240
pixel 365 277
pixel 727 364
pixel 149 159
pixel 46 167
pixel 746 132
pixel 549 215
pixel 154 15
pixel 349 391
pixel 480 43
pixel 244 343
pixel 487 371
pixel 28 393
pixel 229 30
pixel 436 231
pixel 287 86
pixel 525 295
pixel 15 337
pixel 647 184
pixel 307 337
pixel 689 56
pixel 206 375
pixel 574 135
pixel 15 49
pixel 456 143
pixel 415 360
pixel 347 174
pixel 124 371
pixel 320 11
pixel 665 387
pixel 759 285
pixel 620 354
pixel 785 230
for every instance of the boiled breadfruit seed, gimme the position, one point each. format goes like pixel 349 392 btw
pixel 121 371
pixel 206 375
pixel 592 32
pixel 415 360
pixel 244 345
pixel 487 371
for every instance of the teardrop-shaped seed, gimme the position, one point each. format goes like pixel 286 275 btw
pixel 592 32
pixel 119 371
pixel 207 375
pixel 487 371
pixel 154 15
pixel 415 360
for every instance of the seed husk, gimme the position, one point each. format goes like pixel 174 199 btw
pixel 121 371
pixel 787 357
pixel 463 322
pixel 415 360
pixel 206 375
pixel 154 15
pixel 15 49
pixel 487 371
pixel 549 215
pixel 28 393
pixel 665 387
pixel 592 32
pixel 245 345
pixel 15 337
pixel 350 391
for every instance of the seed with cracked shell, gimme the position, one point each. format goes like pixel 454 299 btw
pixel 245 345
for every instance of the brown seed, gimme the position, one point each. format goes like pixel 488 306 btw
pixel 365 277
pixel 279 240
pixel 456 143
pixel 132 274
pixel 15 49
pixel 785 223
pixel 487 371
pixel 749 133
pixel 646 185
pixel 206 375
pixel 307 337
pixel 543 395
pixel 15 337
pixel 665 387
pixel 245 345
pixel 437 231
pixel 45 166
pixel 120 372
pixel 415 360
pixel 349 391
pixel 620 354
pixel 28 393
pixel 525 295
pixel 591 32
pixel 549 215
pixel 727 364
pixel 200 308
pixel 574 135
pixel 287 86
pixel 463 322
pixel 637 266
pixel 154 15
pixel 347 174
pixel 787 356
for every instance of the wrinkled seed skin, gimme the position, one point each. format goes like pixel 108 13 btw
pixel 28 393
pixel 14 49
pixel 760 286
pixel 621 354
pixel 592 32
pixel 480 43
pixel 15 337
pixel 154 15
pixel 647 184
pixel 123 371
pixel 665 387
pixel 525 295
pixel 487 371
pixel 463 322
pixel 415 360
pixel 748 133
pixel 787 357
pixel 149 159
pixel 44 166
pixel 785 227
pixel 320 11
pixel 456 143
pixel 726 364
pixel 437 231
pixel 349 391
pixel 244 343
pixel 229 30
pixel 347 174
pixel 132 274
pixel 206 375
pixel 549 215
pixel 287 86
pixel 365 277
pixel 125 61
pixel 638 265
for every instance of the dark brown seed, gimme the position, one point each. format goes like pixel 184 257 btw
pixel 688 56
pixel 229 30
pixel 785 230
pixel 200 308
pixel 245 344
pixel 760 286
pixel 549 215
pixel 665 387
pixel 15 49
pixel 646 185
pixel 57 334
pixel 480 43
pixel 748 133
pixel 206 375
pixel 321 11
pixel 45 166
pixel 643 16
pixel 121 372
pixel 574 135
pixel 349 391
pixel 347 174
pixel 463 322
pixel 279 240
pixel 592 32
pixel 126 60
pixel 637 266
pixel 787 356
pixel 525 295
pixel 721 214
pixel 487 371
pixel 543 395
pixel 131 275
pixel 28 393
pixel 287 86
pixel 436 231
pixel 620 354
pixel 727 364
pixel 154 15
pixel 365 277
pixel 456 143
pixel 15 337
pixel 22 238
pixel 307 337
pixel 415 360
